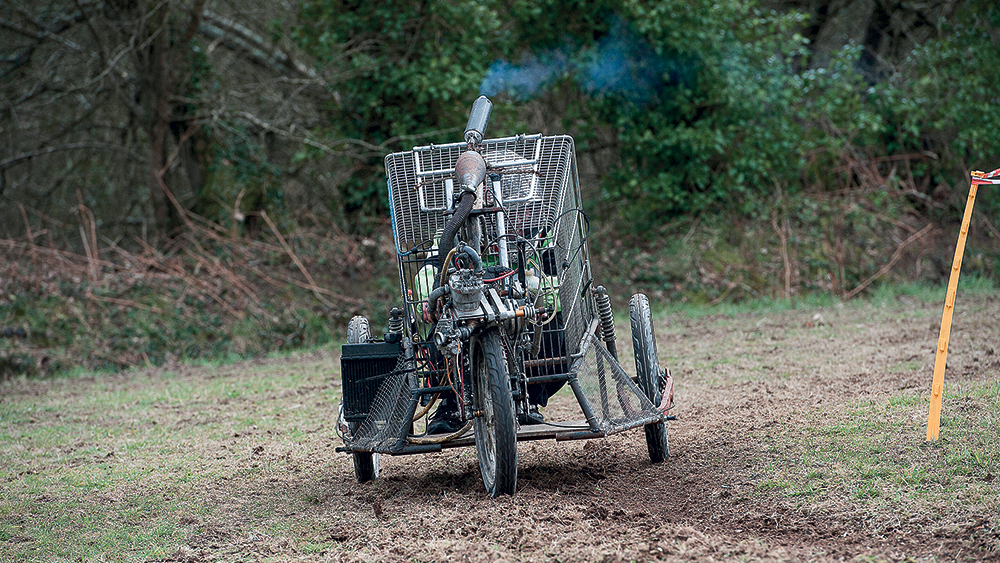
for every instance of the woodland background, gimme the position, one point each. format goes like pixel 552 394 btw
pixel 202 179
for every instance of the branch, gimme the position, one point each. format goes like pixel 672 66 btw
pixel 239 37
pixel 11 245
pixel 124 302
pixel 71 146
pixel 44 34
pixel 289 134
pixel 295 258
pixel 377 150
pixel 158 176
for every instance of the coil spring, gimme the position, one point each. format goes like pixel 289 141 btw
pixel 395 321
pixel 604 311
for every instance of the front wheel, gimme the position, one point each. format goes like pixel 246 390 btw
pixel 496 434
pixel 648 369
pixel 365 463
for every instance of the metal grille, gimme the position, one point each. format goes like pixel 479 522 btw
pixel 578 305
pixel 534 171
pixel 381 428
pixel 361 366
pixel 616 401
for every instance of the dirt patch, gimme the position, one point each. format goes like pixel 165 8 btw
pixel 740 379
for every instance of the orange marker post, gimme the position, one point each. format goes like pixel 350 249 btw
pixel 937 388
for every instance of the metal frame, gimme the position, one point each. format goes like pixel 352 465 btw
pixel 529 206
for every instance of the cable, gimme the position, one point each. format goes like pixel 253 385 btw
pixel 447 377
pixel 442 439
pixel 584 234
pixel 502 276
pixel 444 271
pixel 423 412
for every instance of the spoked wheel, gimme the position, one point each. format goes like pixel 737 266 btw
pixel 496 435
pixel 647 367
pixel 365 464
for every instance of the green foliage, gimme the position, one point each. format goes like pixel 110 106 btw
pixel 238 170
pixel 413 68
pixel 703 97
pixel 720 126
pixel 548 24
pixel 942 101
pixel 737 111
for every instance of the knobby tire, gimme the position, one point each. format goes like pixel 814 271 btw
pixel 648 369
pixel 495 429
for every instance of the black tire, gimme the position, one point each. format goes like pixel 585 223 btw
pixel 647 368
pixel 358 330
pixel 496 434
pixel 365 464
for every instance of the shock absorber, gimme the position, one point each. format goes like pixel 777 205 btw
pixel 395 328
pixel 607 319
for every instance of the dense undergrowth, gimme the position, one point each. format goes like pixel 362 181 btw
pixel 707 261
pixel 206 297
pixel 727 157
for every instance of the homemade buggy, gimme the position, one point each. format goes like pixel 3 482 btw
pixel 499 311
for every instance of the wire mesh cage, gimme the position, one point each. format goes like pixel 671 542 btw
pixel 616 402
pixel 379 430
pixel 533 179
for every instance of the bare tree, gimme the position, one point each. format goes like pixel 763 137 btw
pixel 144 111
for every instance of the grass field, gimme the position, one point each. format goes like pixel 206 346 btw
pixel 800 435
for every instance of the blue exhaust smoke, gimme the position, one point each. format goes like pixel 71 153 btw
pixel 621 64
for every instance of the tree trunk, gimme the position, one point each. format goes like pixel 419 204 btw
pixel 169 71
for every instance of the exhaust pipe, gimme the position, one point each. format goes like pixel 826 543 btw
pixel 478 119
pixel 470 171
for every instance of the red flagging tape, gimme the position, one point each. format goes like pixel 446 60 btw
pixel 980 178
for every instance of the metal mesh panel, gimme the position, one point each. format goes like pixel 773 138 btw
pixel 380 429
pixel 534 172
pixel 541 196
pixel 616 401
pixel 573 271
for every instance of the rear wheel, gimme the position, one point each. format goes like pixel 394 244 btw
pixel 648 369
pixel 365 463
pixel 496 434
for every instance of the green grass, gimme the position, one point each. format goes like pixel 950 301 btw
pixel 874 455
pixel 123 470
pixel 134 466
